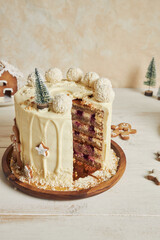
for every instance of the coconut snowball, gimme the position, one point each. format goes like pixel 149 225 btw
pixel 61 103
pixel 74 74
pixel 31 79
pixel 53 75
pixel 103 90
pixel 89 79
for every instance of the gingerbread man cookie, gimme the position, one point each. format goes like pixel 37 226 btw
pixel 28 171
pixel 123 130
pixel 115 133
pixel 125 135
pixel 124 126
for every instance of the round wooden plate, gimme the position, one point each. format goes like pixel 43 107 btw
pixel 64 195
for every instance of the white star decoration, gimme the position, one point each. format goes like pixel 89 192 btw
pixel 155 176
pixel 42 149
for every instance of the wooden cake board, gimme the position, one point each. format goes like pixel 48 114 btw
pixel 64 195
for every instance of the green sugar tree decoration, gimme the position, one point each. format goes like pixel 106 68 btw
pixel 42 97
pixel 151 78
pixel 158 94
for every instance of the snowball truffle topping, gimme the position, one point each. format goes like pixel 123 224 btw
pixel 61 103
pixel 103 90
pixel 31 79
pixel 89 79
pixel 74 74
pixel 53 75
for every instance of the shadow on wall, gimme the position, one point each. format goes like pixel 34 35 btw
pixel 133 77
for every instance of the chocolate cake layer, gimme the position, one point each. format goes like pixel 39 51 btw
pixel 88 130
pixel 87 118
pixel 82 138
pixel 87 150
pixel 89 108
pixel 83 168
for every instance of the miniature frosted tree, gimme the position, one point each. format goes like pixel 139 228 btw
pixel 158 93
pixel 151 77
pixel 42 97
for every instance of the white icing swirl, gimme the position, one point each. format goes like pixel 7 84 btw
pixel 89 79
pixel 53 75
pixel 61 103
pixel 74 74
pixel 103 90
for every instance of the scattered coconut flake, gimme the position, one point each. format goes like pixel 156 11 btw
pixel 58 184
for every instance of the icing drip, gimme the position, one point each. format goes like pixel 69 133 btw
pixel 30 141
pixel 44 159
pixel 59 129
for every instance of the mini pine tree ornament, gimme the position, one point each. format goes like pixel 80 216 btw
pixel 151 78
pixel 158 94
pixel 42 97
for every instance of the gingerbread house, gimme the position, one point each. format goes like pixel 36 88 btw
pixel 9 76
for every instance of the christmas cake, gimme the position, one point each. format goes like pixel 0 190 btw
pixel 62 131
pixel 9 76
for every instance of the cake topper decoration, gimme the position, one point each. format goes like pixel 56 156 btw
pixel 74 74
pixel 42 97
pixel 42 149
pixel 151 78
pixel 53 75
pixel 103 90
pixel 89 79
pixel 61 103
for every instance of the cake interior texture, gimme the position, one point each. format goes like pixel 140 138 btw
pixel 87 126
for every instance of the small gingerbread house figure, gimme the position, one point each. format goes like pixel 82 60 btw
pixel 9 76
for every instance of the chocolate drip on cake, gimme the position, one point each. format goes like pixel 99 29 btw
pixel 87 123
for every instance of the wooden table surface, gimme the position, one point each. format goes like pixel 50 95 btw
pixel 129 210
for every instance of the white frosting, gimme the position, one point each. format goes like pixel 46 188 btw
pixel 103 90
pixel 74 74
pixel 89 79
pixel 53 75
pixel 61 103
